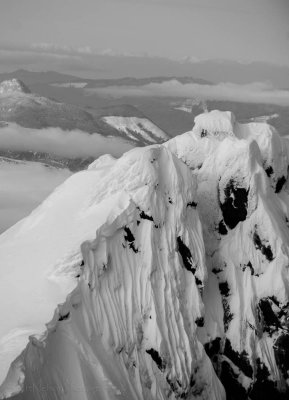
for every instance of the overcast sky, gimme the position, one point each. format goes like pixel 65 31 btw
pixel 113 38
pixel 244 30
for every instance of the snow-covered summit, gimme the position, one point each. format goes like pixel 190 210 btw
pixel 171 267
pixel 13 86
pixel 215 123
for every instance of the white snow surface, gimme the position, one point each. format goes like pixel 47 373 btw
pixel 137 128
pixel 125 326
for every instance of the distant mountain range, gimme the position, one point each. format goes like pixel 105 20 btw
pixel 119 66
pixel 53 77
pixel 19 105
pixel 59 100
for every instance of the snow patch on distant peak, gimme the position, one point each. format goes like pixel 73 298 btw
pixel 13 86
pixel 137 129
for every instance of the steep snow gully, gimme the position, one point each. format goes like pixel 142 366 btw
pixel 176 261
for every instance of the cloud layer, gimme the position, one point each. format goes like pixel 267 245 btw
pixel 69 144
pixel 24 185
pixel 257 92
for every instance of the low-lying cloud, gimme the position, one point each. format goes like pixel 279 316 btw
pixel 24 185
pixel 258 92
pixel 68 144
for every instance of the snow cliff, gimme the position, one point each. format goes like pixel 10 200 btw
pixel 176 260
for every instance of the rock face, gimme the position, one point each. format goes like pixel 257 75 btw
pixel 176 260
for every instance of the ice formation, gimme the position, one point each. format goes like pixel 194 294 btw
pixel 175 261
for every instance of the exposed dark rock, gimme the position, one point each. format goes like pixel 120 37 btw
pixel 216 270
pixel 249 265
pixel 64 316
pixel 270 320
pixel 200 322
pixel 143 215
pixel 281 351
pixel 251 268
pixel 222 228
pixel 234 207
pixel 157 359
pixel 129 237
pixel 192 204
pixel 228 316
pixel 241 360
pixel 234 389
pixel 213 348
pixel 269 171
pixel 186 255
pixel 199 283
pixel 225 292
pixel 263 388
pixel 224 288
pixel 280 183
pixel 266 250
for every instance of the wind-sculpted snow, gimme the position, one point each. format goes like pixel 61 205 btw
pixel 128 329
pixel 175 258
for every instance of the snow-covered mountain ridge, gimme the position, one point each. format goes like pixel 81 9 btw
pixel 176 260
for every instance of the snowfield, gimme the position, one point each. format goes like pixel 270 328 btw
pixel 160 275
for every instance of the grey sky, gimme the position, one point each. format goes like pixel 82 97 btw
pixel 245 30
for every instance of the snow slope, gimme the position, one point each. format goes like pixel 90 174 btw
pixel 175 258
